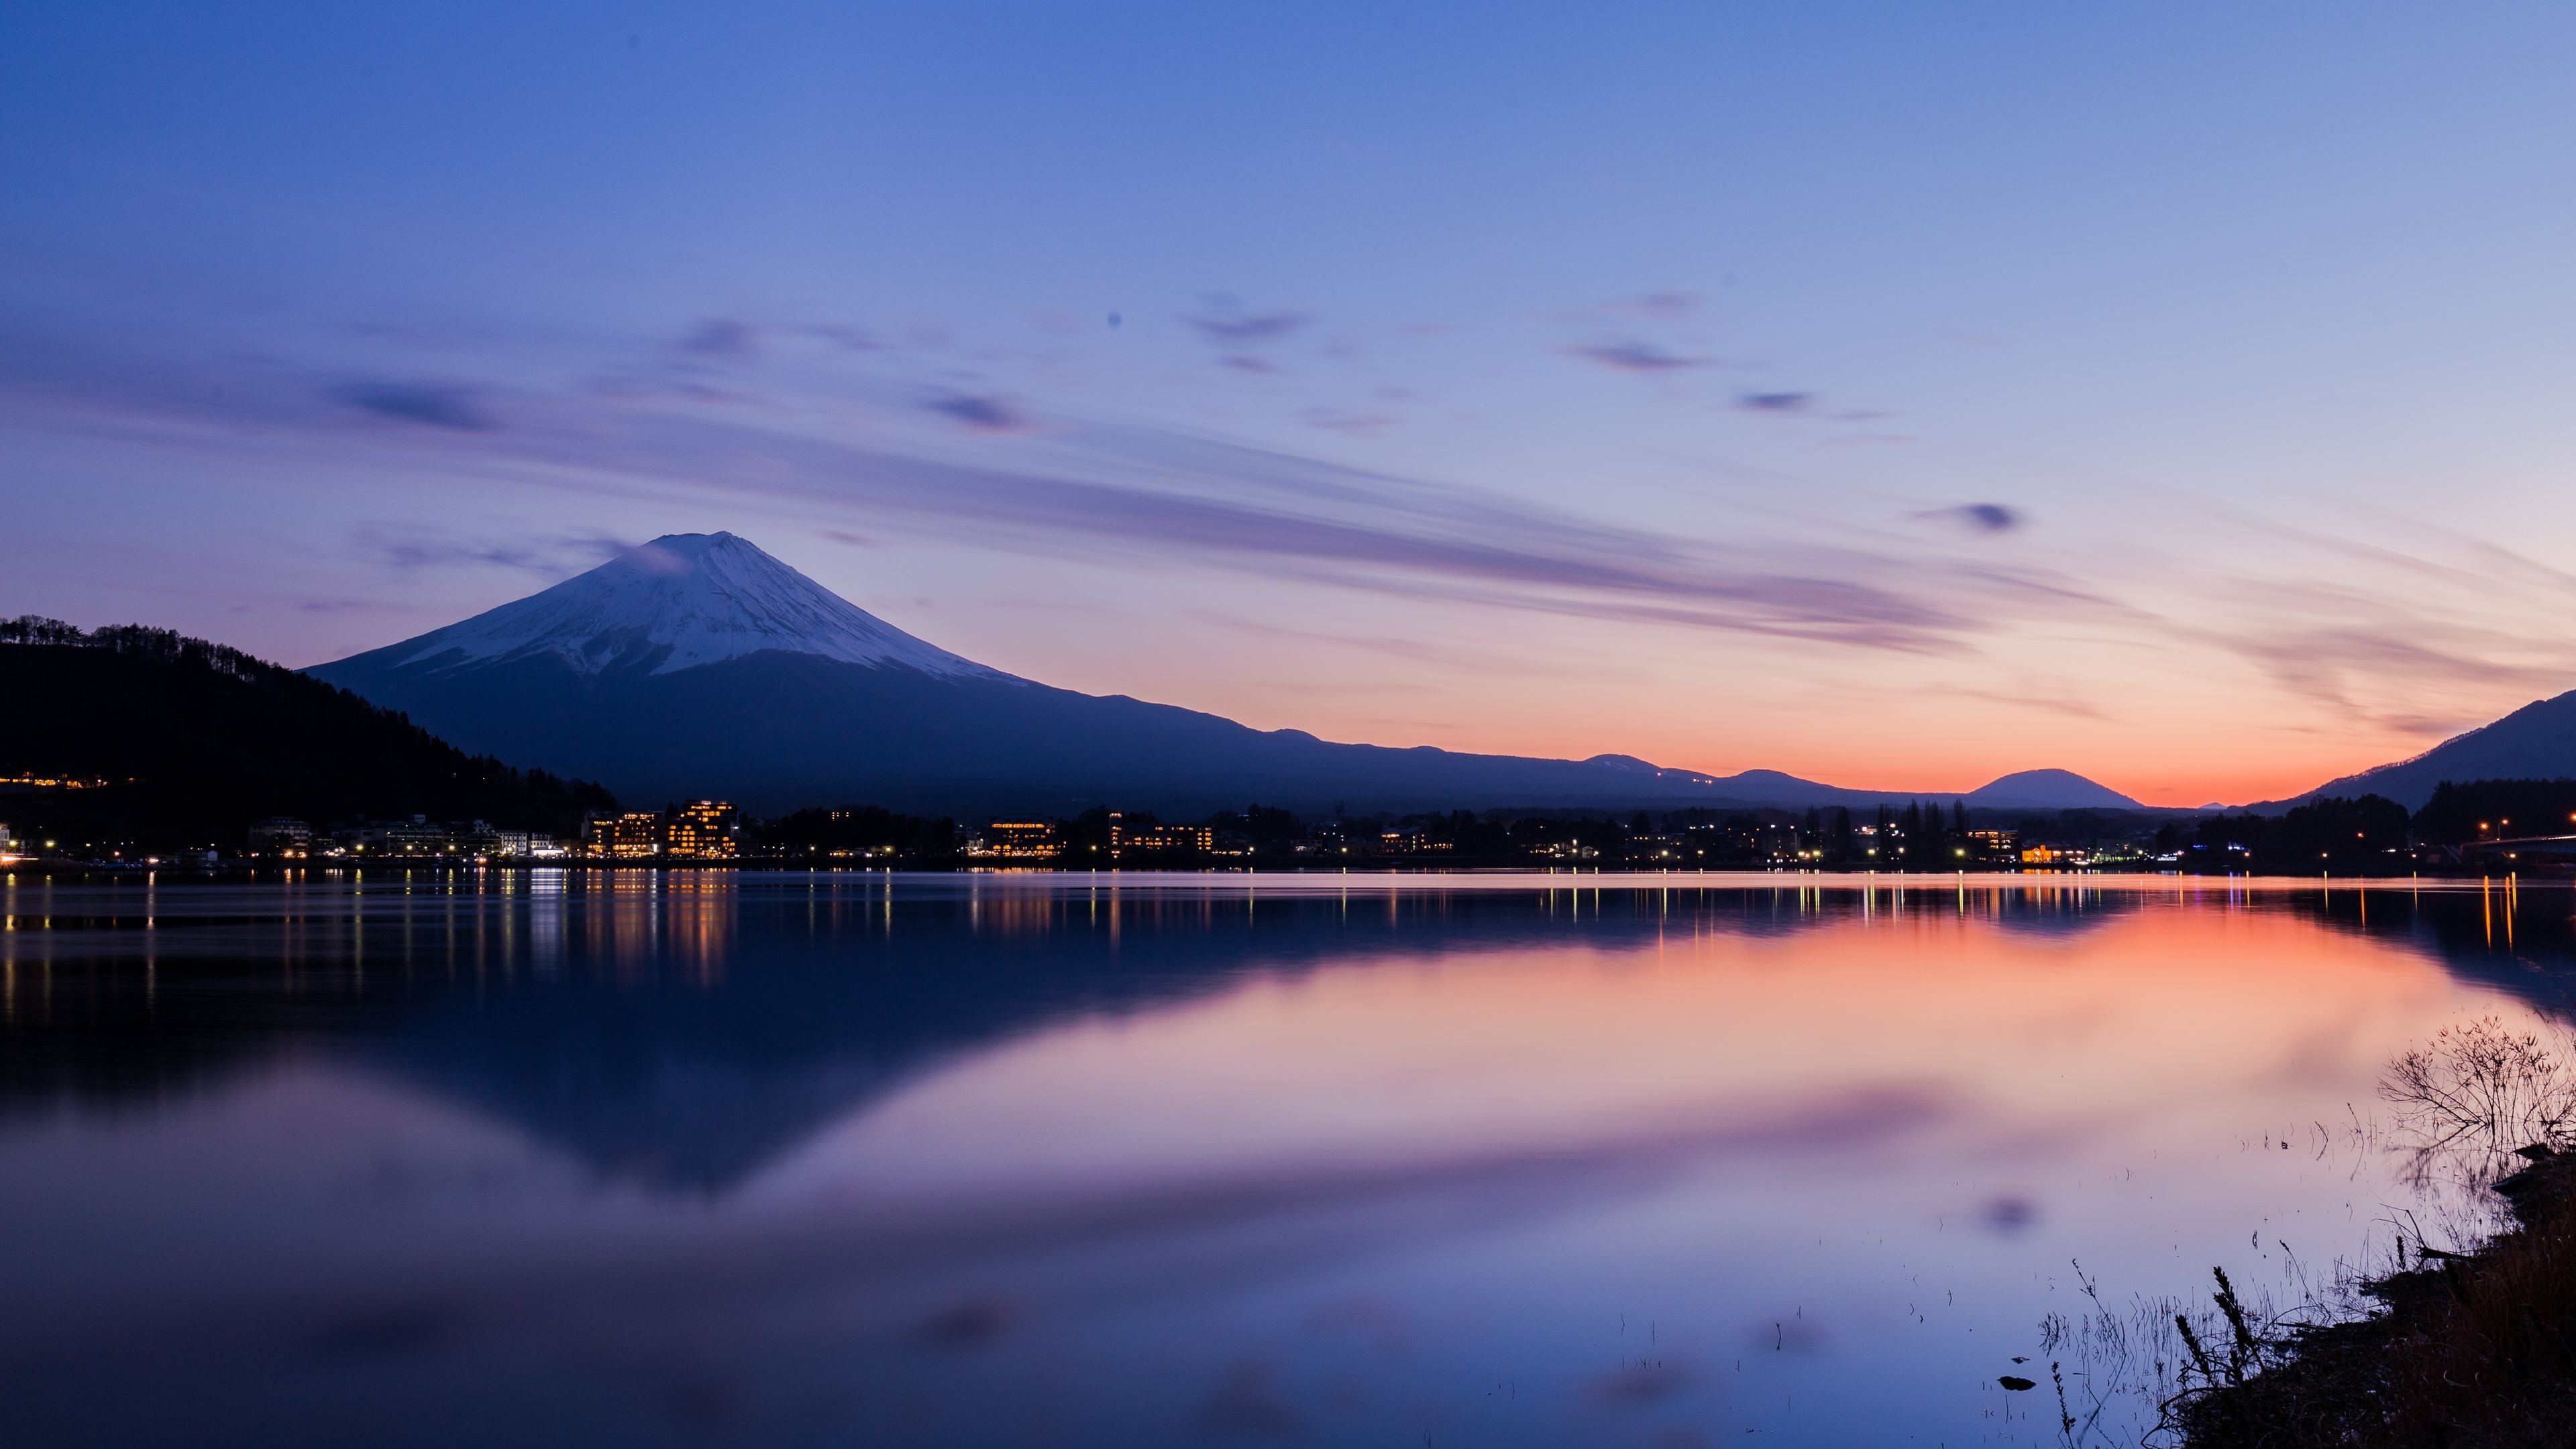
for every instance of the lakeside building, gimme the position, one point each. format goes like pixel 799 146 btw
pixel 282 837
pixel 1021 840
pixel 1157 839
pixel 416 836
pixel 703 830
pixel 8 842
pixel 634 835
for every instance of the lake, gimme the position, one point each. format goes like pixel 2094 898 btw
pixel 693 1158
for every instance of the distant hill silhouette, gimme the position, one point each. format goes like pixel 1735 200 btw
pixel 698 664
pixel 199 740
pixel 2047 790
pixel 2535 742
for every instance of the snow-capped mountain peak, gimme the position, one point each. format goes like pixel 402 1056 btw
pixel 683 600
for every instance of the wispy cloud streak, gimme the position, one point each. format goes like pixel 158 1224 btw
pixel 1635 356
pixel 1100 491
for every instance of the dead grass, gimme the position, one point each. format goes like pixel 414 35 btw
pixel 2474 1352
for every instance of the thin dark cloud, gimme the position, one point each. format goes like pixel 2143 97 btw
pixel 983 414
pixel 1365 425
pixel 1634 356
pixel 841 335
pixel 2324 664
pixel 549 556
pixel 1671 305
pixel 1786 404
pixel 1978 517
pixel 429 404
pixel 1246 362
pixel 2072 706
pixel 722 337
pixel 1239 329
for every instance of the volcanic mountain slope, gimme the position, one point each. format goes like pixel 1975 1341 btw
pixel 2535 742
pixel 698 664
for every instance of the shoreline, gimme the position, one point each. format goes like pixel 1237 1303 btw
pixel 2470 1351
pixel 1807 879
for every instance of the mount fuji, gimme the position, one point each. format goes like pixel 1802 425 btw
pixel 699 665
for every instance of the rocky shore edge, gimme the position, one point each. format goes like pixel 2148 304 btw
pixel 2474 1351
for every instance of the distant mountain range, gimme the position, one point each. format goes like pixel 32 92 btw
pixel 699 665
pixel 2535 742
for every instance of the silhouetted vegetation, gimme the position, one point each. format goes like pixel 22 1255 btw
pixel 2485 809
pixel 860 834
pixel 193 741
pixel 2360 836
pixel 2473 1350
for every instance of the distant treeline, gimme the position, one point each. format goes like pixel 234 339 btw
pixel 1921 835
pixel 2371 832
pixel 2366 835
pixel 194 740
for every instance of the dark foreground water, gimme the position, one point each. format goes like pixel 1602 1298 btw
pixel 704 1158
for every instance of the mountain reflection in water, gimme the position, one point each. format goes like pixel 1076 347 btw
pixel 756 1158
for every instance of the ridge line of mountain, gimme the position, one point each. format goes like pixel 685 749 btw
pixel 699 664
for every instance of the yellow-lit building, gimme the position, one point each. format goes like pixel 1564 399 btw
pixel 635 835
pixel 1021 840
pixel 704 830
pixel 1157 839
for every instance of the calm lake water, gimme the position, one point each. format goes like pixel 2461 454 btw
pixel 707 1158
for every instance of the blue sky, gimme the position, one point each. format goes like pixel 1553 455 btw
pixel 1896 394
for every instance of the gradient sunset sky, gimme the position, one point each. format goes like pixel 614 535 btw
pixel 1892 394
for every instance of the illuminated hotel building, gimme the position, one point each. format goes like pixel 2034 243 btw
pixel 1155 839
pixel 635 835
pixel 1023 840
pixel 703 830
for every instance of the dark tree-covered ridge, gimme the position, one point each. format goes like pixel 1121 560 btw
pixel 197 740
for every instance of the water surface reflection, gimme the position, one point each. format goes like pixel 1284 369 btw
pixel 783 1159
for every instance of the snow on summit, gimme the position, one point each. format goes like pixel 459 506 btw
pixel 704 597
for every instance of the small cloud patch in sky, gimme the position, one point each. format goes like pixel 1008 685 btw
pixel 842 335
pixel 430 404
pixel 983 414
pixel 1236 329
pixel 1360 424
pixel 721 337
pixel 1979 517
pixel 1637 357
pixel 1781 403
